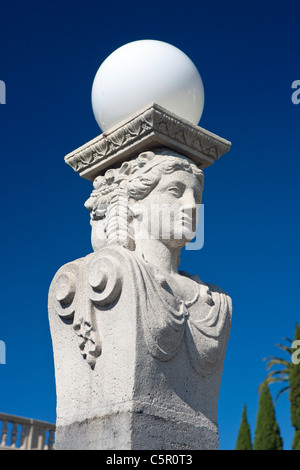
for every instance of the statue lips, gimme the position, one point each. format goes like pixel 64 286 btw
pixel 188 223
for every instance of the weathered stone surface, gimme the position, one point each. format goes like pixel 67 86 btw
pixel 157 367
pixel 138 345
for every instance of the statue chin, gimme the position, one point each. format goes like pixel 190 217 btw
pixel 180 236
pixel 184 235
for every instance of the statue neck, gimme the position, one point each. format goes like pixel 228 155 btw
pixel 157 253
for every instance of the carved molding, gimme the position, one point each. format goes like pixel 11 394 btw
pixel 151 128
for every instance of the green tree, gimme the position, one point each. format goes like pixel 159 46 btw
pixel 287 372
pixel 267 433
pixel 282 372
pixel 294 394
pixel 244 436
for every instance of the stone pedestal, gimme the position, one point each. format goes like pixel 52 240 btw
pixel 137 365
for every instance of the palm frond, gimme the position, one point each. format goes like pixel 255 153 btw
pixel 273 357
pixel 271 379
pixel 284 348
pixel 277 361
pixel 274 380
pixel 287 339
pixel 283 372
pixel 280 392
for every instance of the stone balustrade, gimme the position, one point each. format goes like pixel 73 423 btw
pixel 17 433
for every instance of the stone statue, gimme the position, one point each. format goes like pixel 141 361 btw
pixel 146 371
pixel 161 179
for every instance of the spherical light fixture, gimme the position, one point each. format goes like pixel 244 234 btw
pixel 144 72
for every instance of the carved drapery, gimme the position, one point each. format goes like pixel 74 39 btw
pixel 96 282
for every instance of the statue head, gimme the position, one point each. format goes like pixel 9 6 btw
pixel 153 195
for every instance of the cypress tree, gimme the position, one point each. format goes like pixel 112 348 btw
pixel 244 436
pixel 267 433
pixel 294 379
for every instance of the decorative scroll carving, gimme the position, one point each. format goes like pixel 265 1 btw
pixel 80 286
pixel 105 280
pixel 203 322
pixel 97 281
pixel 70 303
pixel 65 284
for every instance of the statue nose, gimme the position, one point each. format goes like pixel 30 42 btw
pixel 188 200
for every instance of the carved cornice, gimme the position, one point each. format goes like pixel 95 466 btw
pixel 150 128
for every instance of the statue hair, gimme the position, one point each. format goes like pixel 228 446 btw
pixel 134 180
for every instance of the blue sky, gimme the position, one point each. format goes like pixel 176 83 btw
pixel 248 56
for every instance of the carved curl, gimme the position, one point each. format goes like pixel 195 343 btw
pixel 105 280
pixel 67 292
pixel 64 287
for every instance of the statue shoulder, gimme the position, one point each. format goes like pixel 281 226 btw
pixel 216 289
pixel 211 292
pixel 217 292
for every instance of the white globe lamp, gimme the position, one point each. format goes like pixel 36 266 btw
pixel 144 72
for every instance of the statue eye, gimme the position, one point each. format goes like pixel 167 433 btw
pixel 175 190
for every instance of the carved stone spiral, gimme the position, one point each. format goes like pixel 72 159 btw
pixel 105 280
pixel 64 291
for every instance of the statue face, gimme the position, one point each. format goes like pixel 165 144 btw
pixel 169 211
pixel 154 196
